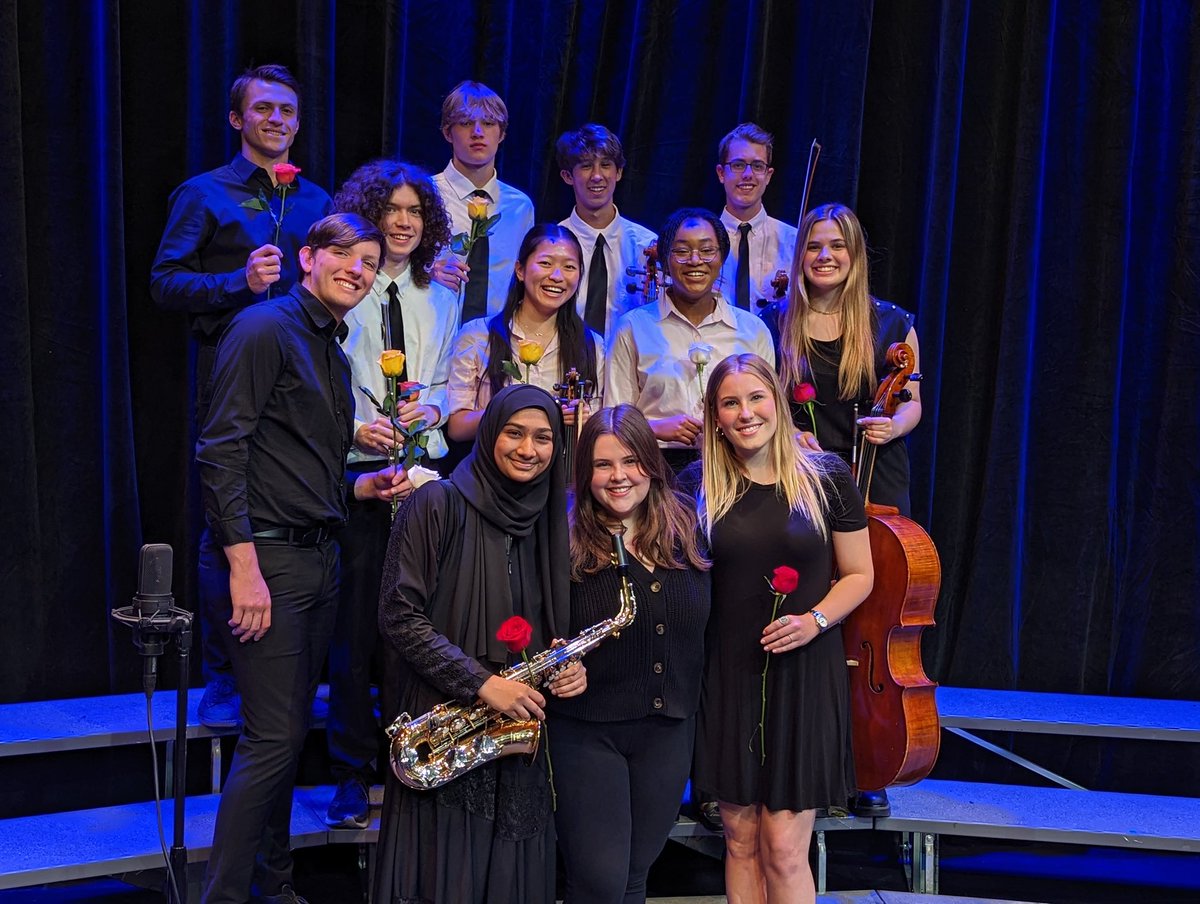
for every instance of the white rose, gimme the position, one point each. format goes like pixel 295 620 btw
pixel 419 475
pixel 700 353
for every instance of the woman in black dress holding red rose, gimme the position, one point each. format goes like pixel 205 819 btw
pixel 465 555
pixel 772 758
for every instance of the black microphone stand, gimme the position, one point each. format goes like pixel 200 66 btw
pixel 155 622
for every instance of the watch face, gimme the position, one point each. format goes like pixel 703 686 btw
pixel 822 621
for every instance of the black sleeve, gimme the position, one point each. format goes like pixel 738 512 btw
pixel 411 574
pixel 250 358
pixel 846 512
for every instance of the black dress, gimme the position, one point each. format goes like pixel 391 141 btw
pixel 807 739
pixel 835 417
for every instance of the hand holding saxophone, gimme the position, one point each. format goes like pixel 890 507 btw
pixel 513 698
pixel 570 682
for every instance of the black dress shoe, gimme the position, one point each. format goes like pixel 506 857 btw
pixel 871 804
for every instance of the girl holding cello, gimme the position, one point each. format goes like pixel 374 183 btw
pixel 832 338
pixel 833 335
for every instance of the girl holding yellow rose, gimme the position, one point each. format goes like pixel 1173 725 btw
pixel 537 338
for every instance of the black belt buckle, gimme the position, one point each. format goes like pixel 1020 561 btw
pixel 296 536
pixel 313 536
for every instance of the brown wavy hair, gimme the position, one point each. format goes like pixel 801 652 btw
pixel 368 191
pixel 667 534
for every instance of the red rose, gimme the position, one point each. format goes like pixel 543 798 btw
pixel 285 173
pixel 804 392
pixel 409 390
pixel 784 579
pixel 516 633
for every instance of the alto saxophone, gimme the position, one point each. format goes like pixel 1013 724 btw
pixel 452 738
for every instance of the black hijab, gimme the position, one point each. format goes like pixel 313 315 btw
pixel 533 577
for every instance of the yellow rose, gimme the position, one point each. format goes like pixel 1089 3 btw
pixel 477 209
pixel 391 362
pixel 529 352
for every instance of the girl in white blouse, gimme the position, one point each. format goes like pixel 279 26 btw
pixel 540 309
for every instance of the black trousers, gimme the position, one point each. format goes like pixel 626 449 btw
pixel 353 732
pixel 278 678
pixel 619 785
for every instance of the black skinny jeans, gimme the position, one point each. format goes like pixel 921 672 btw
pixel 619 786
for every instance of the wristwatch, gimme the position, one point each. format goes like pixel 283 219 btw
pixel 821 620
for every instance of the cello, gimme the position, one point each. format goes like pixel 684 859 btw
pixel 894 717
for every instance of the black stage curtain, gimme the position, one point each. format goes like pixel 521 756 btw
pixel 1027 174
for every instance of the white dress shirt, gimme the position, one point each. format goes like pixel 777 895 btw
pixel 648 363
pixel 516 219
pixel 772 246
pixel 624 242
pixel 470 388
pixel 430 319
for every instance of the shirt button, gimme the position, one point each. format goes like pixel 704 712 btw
pixel 658 702
pixel 660 629
pixel 655 587
pixel 658 668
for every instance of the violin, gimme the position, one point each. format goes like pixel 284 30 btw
pixel 651 276
pixel 894 717
pixel 572 389
pixel 779 287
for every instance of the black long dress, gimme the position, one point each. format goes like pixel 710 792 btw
pixel 834 427
pixel 457 565
pixel 807 738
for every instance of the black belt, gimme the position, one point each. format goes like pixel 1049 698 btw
pixel 296 536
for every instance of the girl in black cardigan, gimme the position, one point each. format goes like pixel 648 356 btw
pixel 622 750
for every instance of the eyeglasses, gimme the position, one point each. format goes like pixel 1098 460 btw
pixel 684 255
pixel 739 166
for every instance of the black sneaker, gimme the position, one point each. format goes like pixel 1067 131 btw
pixel 350 808
pixel 221 705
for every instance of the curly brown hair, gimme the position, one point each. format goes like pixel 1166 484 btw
pixel 367 192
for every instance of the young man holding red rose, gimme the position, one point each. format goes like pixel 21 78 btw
pixel 227 241
pixel 271 457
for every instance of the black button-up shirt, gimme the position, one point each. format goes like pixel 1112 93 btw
pixel 201 262
pixel 272 452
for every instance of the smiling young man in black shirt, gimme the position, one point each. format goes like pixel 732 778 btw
pixel 272 458
pixel 221 251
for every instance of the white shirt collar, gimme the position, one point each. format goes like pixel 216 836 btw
pixel 722 312
pixel 587 233
pixel 463 187
pixel 757 222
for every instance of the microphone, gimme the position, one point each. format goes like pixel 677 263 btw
pixel 152 600
pixel 154 581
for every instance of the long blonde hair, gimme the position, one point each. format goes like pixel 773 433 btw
pixel 798 472
pixel 857 366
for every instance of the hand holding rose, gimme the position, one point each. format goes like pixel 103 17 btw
pixel 263 268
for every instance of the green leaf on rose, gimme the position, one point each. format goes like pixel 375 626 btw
pixel 486 227
pixel 511 369
pixel 258 203
pixel 458 243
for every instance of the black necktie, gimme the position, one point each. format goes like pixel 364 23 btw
pixel 396 319
pixel 475 301
pixel 742 280
pixel 596 309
